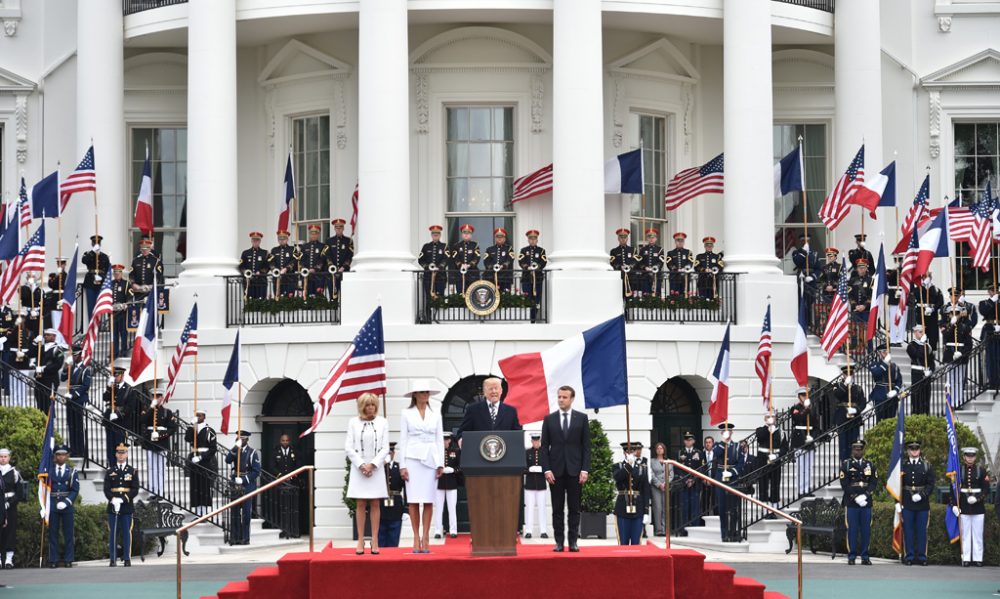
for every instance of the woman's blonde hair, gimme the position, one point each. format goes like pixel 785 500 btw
pixel 364 400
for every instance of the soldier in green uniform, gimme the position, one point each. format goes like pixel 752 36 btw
pixel 313 264
pixel 465 258
pixel 282 264
pixel 681 265
pixel 499 260
pixel 98 266
pixel 651 263
pixel 708 265
pixel 121 485
pixel 433 258
pixel 632 481
pixel 253 267
pixel 623 259
pixel 857 479
pixel 918 484
pixel 339 254
pixel 146 268
pixel 532 260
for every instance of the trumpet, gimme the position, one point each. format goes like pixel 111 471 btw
pixel 247 273
pixel 332 269
pixel 689 268
pixel 275 272
pixel 626 268
pixel 654 269
pixel 303 272
pixel 533 266
pixel 464 268
pixel 497 267
pixel 715 270
pixel 432 267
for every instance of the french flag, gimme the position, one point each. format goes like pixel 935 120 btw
pixel 144 203
pixel 623 173
pixel 718 410
pixel 66 320
pixel 284 207
pixel 933 243
pixel 788 173
pixel 592 362
pixel 879 284
pixel 879 191
pixel 144 347
pixel 800 350
pixel 44 197
pixel 230 385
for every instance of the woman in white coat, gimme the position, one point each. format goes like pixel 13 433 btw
pixel 421 457
pixel 367 446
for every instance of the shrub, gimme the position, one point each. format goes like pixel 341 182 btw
pixel 21 431
pixel 939 549
pixel 599 492
pixel 90 529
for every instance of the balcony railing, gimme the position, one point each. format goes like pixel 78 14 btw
pixel 823 5
pixel 440 296
pixel 681 297
pixel 260 300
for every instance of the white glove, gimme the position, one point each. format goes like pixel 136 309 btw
pixel 929 311
pixel 958 355
pixel 726 475
pixel 887 359
pixel 98 278
pixel 239 480
pixel 807 403
pixel 39 370
pixel 535 469
pixel 39 339
pixel 954 319
pixel 113 417
pixel 117 503
pixel 930 369
pixel 61 505
pixel 860 500
pixel 899 508
pixel 809 279
pixel 892 394
pixel 96 247
pixel 60 303
pixel 771 457
pixel 848 380
pixel 20 354
pixel 449 470
pixel 852 411
pixel 645 519
pixel 34 311
pixel 19 321
pixel 916 497
pixel 972 500
pixel 68 360
pixel 196 459
pixel 956 511
pixel 630 459
pixel 236 446
pixel 996 328
pixel 154 436
pixel 809 439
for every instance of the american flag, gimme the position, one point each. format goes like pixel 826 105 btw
pixel 914 215
pixel 84 178
pixel 354 208
pixel 762 363
pixel 695 181
pixel 534 184
pixel 836 325
pixel 187 346
pixel 102 306
pixel 30 258
pixel 906 272
pixel 960 221
pixel 835 207
pixel 981 237
pixel 25 205
pixel 360 370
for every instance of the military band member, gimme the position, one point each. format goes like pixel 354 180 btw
pixel 708 265
pixel 989 309
pixel 253 267
pixel 282 262
pixel 204 457
pixel 314 263
pixel 917 486
pixel 532 260
pixel 860 291
pixel 47 369
pixel 830 275
pixel 922 364
pixel 623 259
pixel 433 258
pixel 465 258
pixel 121 485
pixel 650 264
pixel 65 486
pixel 31 303
pixel 927 299
pixel 859 252
pixel 244 477
pixel 690 486
pixel 535 489
pixel 632 480
pixel 391 514
pixel 680 264
pixel 158 425
pixel 116 421
pixel 857 479
pixel 339 253
pixel 98 265
pixel 725 469
pixel 973 493
pixel 80 378
pixel 887 381
pixel 956 335
pixel 803 425
pixel 286 461
pixel 499 261
pixel 146 269
pixel 771 445
pixel 11 483
pixel 119 310
pixel 850 402
pixel 447 489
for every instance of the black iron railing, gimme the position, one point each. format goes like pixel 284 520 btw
pixel 259 301
pixel 441 296
pixel 680 297
pixel 130 7
pixel 824 5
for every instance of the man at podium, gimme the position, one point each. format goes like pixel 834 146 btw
pixel 490 415
pixel 566 461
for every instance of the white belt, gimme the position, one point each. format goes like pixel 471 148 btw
pixel 775 452
pixel 803 428
pixel 965 490
pixel 954 344
pixel 920 368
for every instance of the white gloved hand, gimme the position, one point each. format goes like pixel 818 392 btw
pixel 117 503
pixel 771 457
pixel 59 304
pixel 930 369
pixel 19 321
pixel 807 403
pixel 535 469
pixel 39 370
pixel 645 519
pixel 809 439
pixel 956 511
pixel 892 394
pixel 852 411
pixel 972 500
pixel 154 436
pixel 34 311
pixel 916 497
pixel 887 359
pixel 809 279
pixel 449 470
pixel 929 311
pixel 196 459
pixel 61 505
pixel 236 446
pixel 98 278
pixel 958 355
pixel 113 417
pixel 899 508
pixel 239 480
pixel 860 500
pixel 954 319
pixel 848 380
pixel 68 360
pixel 630 459
pixel 996 328
pixel 39 339
pixel 726 475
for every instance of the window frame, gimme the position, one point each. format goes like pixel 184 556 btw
pixel 814 223
pixel 639 222
pixel 969 278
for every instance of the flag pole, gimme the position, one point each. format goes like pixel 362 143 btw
pixel 58 224
pixel 111 351
pixel 195 435
pixel 805 207
pixel 239 418
pixel 961 271
pixel 97 229
pixel 48 499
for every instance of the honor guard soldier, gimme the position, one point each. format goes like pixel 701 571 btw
pixel 57 279
pixel 922 364
pixel 859 252
pixel 339 253
pixel 708 265
pixel 65 485
pixel 681 265
pixel 465 258
pixel 771 445
pixel 119 310
pixel 851 402
pixel 500 260
pixel 116 420
pixel 989 309
pixel 887 381
pixel 809 270
pixel 391 519
pixel 8 328
pixel 253 267
pixel 956 335
pixel 281 261
pixel 650 262
pixel 690 486
pixel 725 470
pixel 80 378
pixel 98 267
pixel 632 481
pixel 860 291
pixel 158 425
pixel 203 458
pixel 47 369
pixel 535 489
pixel 313 264
pixel 532 260
pixel 246 470
pixel 829 276
pixel 918 484
pixel 857 479
pixel 121 485
pixel 286 461
pixel 11 497
pixel 31 303
pixel 803 424
pixel 146 269
pixel 623 259
pixel 433 258
pixel 897 332
pixel 973 492
pixel 447 489
pixel 927 299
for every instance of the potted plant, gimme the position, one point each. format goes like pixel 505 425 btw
pixel 598 495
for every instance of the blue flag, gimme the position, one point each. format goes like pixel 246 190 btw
pixel 788 173
pixel 46 466
pixel 953 472
pixel 45 197
pixel 623 173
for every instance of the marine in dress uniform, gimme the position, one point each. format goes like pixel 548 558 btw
pixel 857 479
pixel 829 276
pixel 391 521
pixel 80 378
pixel 926 300
pixel 725 468
pixel 709 264
pixel 146 269
pixel 623 259
pixel 860 292
pixel 433 258
pixel 65 487
pixel 116 420
pixel 121 485
pixel 205 463
pixel 253 267
pixel 532 260
pixel 650 265
pixel 887 381
pixel 98 265
pixel 804 423
pixel 918 484
pixel 973 492
pixel 956 335
pixel 314 263
pixel 465 258
pixel 11 483
pixel 680 264
pixel 47 369
pixel 282 261
pixel 244 477
pixel 989 308
pixel 535 489
pixel 771 445
pixel 922 364
pixel 499 261
pixel 447 489
pixel 119 310
pixel 158 425
pixel 850 402
pixel 632 481
pixel 809 270
pixel 690 486
pixel 339 253
pixel 859 252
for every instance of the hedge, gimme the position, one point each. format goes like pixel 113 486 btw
pixel 939 550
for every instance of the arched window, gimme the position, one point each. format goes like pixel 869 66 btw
pixel 676 410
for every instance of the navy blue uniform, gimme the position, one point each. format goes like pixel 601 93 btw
pixel 433 258
pixel 922 364
pixel 857 479
pixel 98 268
pixel 650 266
pixel 254 261
pixel 121 481
pixel 532 260
pixel 918 481
pixel 623 260
pixel 392 507
pixel 500 256
pixel 632 481
pixel 680 263
pixel 887 378
pixel 690 486
pixel 79 390
pixel 990 337
pixel 65 488
pixel 339 253
pixel 249 471
pixel 728 505
pixel 846 400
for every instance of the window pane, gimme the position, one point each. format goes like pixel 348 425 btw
pixel 324 133
pixel 458 191
pixel 324 202
pixel 479 160
pixel 986 139
pixel 480 124
pixel 499 153
pixel 458 159
pixel 508 124
pixel 965 134
pixel 167 145
pixel 167 178
pixel 479 195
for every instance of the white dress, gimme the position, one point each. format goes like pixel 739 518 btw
pixel 421 452
pixel 367 443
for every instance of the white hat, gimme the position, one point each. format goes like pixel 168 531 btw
pixel 418 385
pixel 51 331
pixel 802 391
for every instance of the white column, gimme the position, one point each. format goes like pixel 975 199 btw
pixel 384 259
pixel 100 117
pixel 583 287
pixel 858 95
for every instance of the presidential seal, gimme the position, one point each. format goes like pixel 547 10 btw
pixel 492 448
pixel 482 298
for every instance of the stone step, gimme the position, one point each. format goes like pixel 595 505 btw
pixel 712 545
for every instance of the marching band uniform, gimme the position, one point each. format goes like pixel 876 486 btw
pixel 314 259
pixel 146 269
pixel 205 457
pixel 973 492
pixel 921 365
pixel 650 264
pixel 690 490
pixel 535 489
pixel 709 265
pixel 500 260
pixel 851 402
pixel 447 490
pixel 433 258
pixel 254 261
pixel 244 478
pixel 98 265
pixel 725 469
pixel 121 485
pixel 803 425
pixel 11 483
pixel 532 260
pixel 465 258
pixel 680 264
pixel 917 486
pixel 771 445
pixel 65 487
pixel 887 380
pixel 623 259
pixel 283 258
pixel 857 479
pixel 393 506
pixel 632 481
pixel 339 253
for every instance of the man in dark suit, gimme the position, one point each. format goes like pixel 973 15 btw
pixel 489 415
pixel 566 462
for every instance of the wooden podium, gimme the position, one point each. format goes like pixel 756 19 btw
pixel 493 464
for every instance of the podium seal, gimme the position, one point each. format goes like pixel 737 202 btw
pixel 492 448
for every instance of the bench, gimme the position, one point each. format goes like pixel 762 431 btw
pixel 157 520
pixel 820 517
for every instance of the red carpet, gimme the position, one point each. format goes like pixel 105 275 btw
pixel 449 571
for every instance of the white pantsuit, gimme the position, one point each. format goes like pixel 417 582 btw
pixel 421 451
pixel 535 504
pixel 446 498
pixel 972 537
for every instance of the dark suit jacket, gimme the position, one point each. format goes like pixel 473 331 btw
pixel 566 454
pixel 477 418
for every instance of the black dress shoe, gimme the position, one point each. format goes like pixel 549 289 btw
pixel 128 563
pixel 112 564
pixel 545 535
pixel 453 535
pixel 966 564
pixel 437 536
pixel 907 562
pixel 558 548
pixel 850 562
pixel 68 564
pixel 527 535
pixel 977 564
pixel 866 562
pixel 923 563
pixel 574 549
pixel 8 566
pixel 54 565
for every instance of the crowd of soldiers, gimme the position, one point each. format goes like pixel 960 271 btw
pixel 644 268
pixel 310 269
